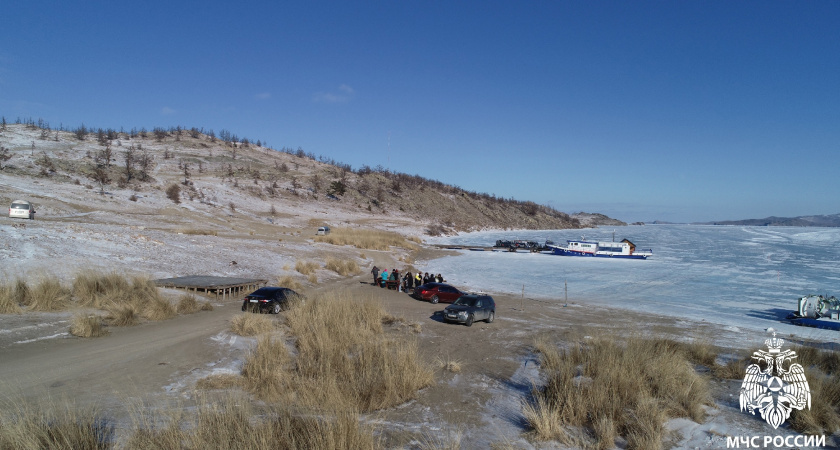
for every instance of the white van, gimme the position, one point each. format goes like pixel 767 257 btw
pixel 323 231
pixel 22 208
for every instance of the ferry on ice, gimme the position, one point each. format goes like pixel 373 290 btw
pixel 623 249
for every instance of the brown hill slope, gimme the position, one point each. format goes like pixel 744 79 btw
pixel 193 166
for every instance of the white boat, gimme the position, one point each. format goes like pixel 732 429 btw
pixel 623 249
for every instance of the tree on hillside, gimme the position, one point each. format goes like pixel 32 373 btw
pixel 100 175
pixel 337 188
pixel 105 156
pixel 186 174
pixel 145 162
pixel 129 158
pixel 80 132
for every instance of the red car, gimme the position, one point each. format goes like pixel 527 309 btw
pixel 437 292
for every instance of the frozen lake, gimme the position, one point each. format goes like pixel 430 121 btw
pixel 744 277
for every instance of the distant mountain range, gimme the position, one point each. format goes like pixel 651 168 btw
pixel 832 220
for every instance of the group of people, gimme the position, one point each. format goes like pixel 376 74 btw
pixel 404 281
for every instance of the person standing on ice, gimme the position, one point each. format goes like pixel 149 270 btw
pixel 375 272
pixel 384 278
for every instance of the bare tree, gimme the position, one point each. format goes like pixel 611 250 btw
pixel 186 174
pixel 130 158
pixel 100 175
pixel 105 156
pixel 145 162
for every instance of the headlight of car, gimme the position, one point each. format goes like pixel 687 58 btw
pixel 462 313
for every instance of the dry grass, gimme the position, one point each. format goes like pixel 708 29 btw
pixel 822 370
pixel 312 278
pixel 47 295
pixel 188 304
pixel 219 382
pixel 49 427
pixel 588 386
pixel 342 267
pixel 122 314
pixel 87 325
pixel 251 324
pixel 306 267
pixel 159 309
pixel 232 423
pixel 8 302
pixel 448 364
pixel 344 360
pixel 289 282
pixel 367 239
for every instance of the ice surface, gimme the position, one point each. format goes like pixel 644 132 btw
pixel 745 277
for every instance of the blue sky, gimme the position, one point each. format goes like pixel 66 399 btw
pixel 675 111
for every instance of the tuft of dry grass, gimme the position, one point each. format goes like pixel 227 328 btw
pixel 206 306
pixel 823 375
pixel 587 386
pixel 188 304
pixel 342 267
pixel 8 302
pixel 50 427
pixel 232 423
pixel 448 364
pixel 344 359
pixel 289 282
pixel 47 295
pixel 367 239
pixel 159 309
pixel 122 314
pixel 251 324
pixel 264 371
pixel 88 325
pixel 312 278
pixel 219 381
pixel 306 267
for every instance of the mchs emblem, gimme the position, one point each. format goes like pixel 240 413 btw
pixel 775 385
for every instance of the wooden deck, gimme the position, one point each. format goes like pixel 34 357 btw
pixel 226 286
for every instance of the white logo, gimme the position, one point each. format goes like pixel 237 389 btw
pixel 775 391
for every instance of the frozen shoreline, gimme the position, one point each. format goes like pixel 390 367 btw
pixel 739 278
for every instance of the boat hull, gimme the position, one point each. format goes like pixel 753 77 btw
pixel 566 252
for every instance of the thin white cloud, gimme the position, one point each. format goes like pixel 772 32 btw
pixel 166 111
pixel 263 96
pixel 345 94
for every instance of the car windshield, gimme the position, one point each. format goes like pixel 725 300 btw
pixel 20 206
pixel 466 301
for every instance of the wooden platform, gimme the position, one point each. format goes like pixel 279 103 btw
pixel 227 286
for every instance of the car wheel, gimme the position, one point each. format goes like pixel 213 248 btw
pixel 434 299
pixel 469 320
pixel 275 308
pixel 491 317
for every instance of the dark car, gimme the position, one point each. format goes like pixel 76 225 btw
pixel 437 292
pixel 469 308
pixel 269 299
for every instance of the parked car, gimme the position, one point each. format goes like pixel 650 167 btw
pixel 22 208
pixel 269 299
pixel 469 308
pixel 437 292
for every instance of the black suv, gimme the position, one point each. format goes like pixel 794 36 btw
pixel 271 299
pixel 469 308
